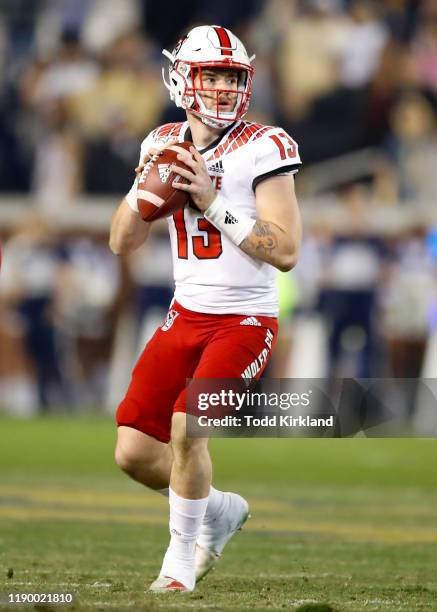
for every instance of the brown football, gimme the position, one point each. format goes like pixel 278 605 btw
pixel 156 196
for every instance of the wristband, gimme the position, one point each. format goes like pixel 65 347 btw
pixel 131 197
pixel 235 225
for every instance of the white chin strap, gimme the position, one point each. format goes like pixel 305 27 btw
pixel 211 121
pixel 215 123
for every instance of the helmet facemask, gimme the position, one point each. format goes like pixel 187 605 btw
pixel 207 102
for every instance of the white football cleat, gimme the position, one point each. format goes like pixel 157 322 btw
pixel 165 584
pixel 215 535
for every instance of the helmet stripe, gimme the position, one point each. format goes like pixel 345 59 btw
pixel 224 40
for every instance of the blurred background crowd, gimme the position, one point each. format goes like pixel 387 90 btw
pixel 353 81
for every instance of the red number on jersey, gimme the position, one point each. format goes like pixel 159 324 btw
pixel 204 247
pixel 290 151
pixel 181 232
pixel 212 249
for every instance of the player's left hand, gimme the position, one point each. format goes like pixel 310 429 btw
pixel 200 188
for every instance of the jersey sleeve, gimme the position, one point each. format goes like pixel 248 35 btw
pixel 276 154
pixel 160 136
pixel 148 142
pixel 131 195
pixel 156 137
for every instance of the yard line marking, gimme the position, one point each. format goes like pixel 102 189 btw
pixel 146 500
pixel 84 496
pixel 142 507
pixel 355 532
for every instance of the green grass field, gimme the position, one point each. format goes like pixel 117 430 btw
pixel 336 524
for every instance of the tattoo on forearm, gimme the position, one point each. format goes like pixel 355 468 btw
pixel 262 241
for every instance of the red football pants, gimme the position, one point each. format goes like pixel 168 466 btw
pixel 192 345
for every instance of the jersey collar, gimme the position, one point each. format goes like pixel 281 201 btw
pixel 186 135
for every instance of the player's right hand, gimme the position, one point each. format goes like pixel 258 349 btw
pixel 154 152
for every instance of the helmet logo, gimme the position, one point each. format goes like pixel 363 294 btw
pixel 179 44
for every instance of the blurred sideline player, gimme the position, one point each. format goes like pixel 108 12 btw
pixel 223 316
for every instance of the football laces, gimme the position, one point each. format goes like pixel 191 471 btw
pixel 148 166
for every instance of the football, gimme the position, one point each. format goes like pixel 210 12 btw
pixel 156 196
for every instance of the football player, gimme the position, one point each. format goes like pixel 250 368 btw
pixel 244 225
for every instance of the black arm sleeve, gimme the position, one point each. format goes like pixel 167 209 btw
pixel 282 170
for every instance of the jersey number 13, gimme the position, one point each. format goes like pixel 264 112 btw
pixel 204 247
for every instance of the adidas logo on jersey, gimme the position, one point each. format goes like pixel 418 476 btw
pixel 251 321
pixel 217 167
pixel 230 219
pixel 164 171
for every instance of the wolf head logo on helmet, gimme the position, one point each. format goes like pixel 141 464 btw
pixel 209 47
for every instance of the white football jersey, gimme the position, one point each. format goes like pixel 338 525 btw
pixel 212 274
